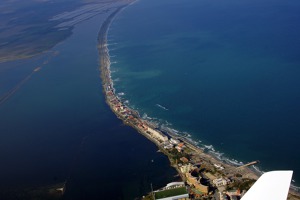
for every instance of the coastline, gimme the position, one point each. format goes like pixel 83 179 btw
pixel 79 164
pixel 159 137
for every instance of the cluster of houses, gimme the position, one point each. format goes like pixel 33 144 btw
pixel 219 167
pixel 218 182
pixel 232 195
pixel 194 181
pixel 199 189
pixel 174 143
pixel 131 116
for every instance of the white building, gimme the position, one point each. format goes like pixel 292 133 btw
pixel 169 146
pixel 220 182
pixel 167 193
pixel 157 135
pixel 219 167
pixel 174 185
pixel 174 141
pixel 186 168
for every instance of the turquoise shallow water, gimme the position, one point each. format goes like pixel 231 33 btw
pixel 226 72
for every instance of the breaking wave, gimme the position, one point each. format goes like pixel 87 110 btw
pixel 167 128
pixel 162 107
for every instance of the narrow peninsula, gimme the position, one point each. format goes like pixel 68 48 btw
pixel 205 175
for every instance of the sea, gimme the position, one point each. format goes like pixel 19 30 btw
pixel 55 129
pixel 224 74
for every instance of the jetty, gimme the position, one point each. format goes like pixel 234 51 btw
pixel 248 164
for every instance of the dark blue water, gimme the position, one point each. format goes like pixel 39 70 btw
pixel 57 128
pixel 226 72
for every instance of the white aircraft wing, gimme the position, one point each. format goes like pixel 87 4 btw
pixel 272 185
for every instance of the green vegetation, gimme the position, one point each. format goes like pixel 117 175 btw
pixel 148 197
pixel 171 192
pixel 177 155
pixel 245 184
pixel 212 171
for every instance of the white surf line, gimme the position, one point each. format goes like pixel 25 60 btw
pixel 162 107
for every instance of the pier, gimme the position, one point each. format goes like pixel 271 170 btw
pixel 248 164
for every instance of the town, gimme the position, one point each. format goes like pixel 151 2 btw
pixel 203 178
pixel 202 175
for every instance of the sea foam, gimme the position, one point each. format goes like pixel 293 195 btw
pixel 162 107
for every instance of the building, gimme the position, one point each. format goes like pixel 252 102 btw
pixel 184 159
pixel 174 141
pixel 181 145
pixel 172 191
pixel 173 185
pixel 219 167
pixel 233 194
pixel 168 146
pixel 179 149
pixel 220 182
pixel 194 182
pixel 186 168
pixel 222 196
pixel 157 135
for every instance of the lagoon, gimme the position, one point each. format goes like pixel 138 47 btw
pixel 57 128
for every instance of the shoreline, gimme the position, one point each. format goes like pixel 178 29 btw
pixel 161 138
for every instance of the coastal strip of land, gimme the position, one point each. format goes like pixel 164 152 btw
pixel 38 32
pixel 205 175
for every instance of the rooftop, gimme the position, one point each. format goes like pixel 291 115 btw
pixel 170 193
